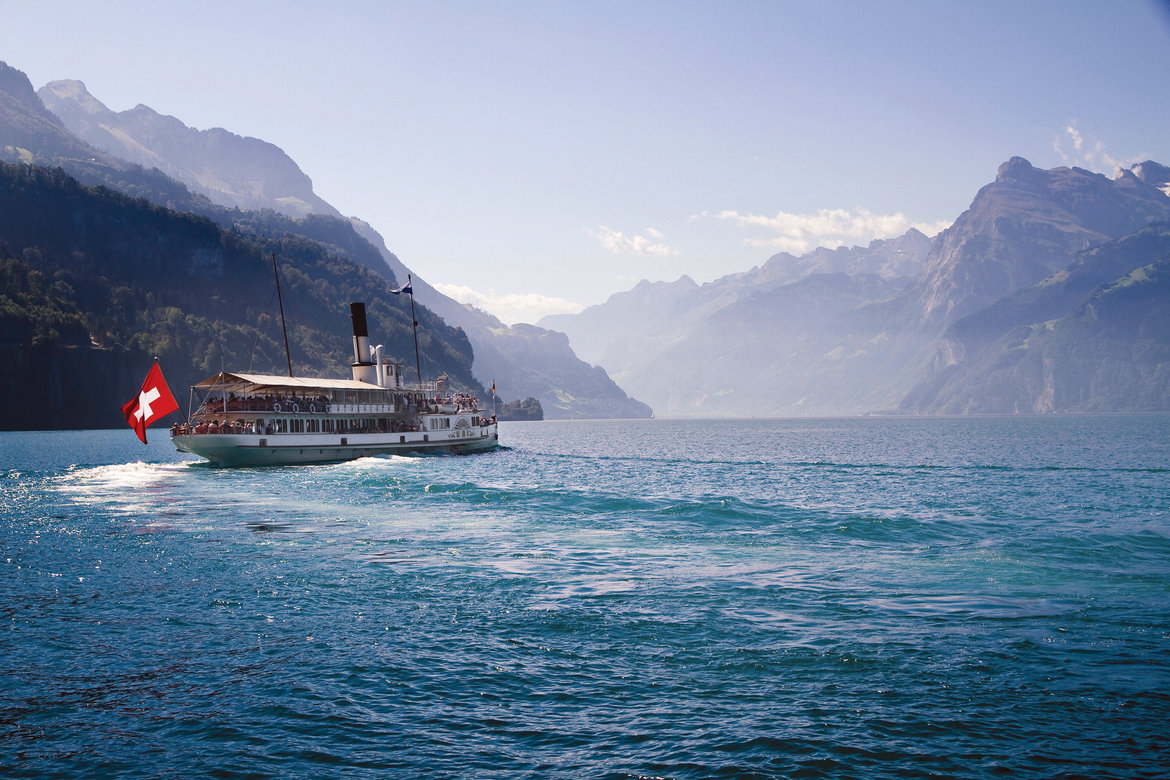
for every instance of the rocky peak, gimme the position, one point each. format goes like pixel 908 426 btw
pixel 30 132
pixel 15 86
pixel 1029 224
pixel 1017 170
pixel 1152 173
pixel 74 92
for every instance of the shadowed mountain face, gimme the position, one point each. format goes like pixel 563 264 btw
pixel 91 278
pixel 917 324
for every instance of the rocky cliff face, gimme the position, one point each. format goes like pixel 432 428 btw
pixel 55 387
pixel 1026 225
pixel 1092 337
pixel 27 130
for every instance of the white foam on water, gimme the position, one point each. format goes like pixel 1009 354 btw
pixel 121 482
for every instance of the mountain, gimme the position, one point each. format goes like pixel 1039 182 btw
pixel 1154 174
pixel 95 283
pixel 1042 260
pixel 96 280
pixel 30 134
pixel 771 341
pixel 26 125
pixel 231 170
pixel 1091 337
pixel 1026 225
pixel 247 173
pixel 525 361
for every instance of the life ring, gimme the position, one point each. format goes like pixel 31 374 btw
pixel 313 408
pixel 276 406
pixel 296 407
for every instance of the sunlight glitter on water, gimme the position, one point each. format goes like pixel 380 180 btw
pixel 759 602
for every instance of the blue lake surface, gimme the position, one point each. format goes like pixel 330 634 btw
pixel 943 597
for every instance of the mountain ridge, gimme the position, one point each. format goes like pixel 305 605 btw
pixel 208 161
pixel 864 343
pixel 1041 261
pixel 235 171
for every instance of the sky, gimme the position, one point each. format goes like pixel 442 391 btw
pixel 535 158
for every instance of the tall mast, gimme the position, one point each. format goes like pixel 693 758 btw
pixel 284 327
pixel 410 289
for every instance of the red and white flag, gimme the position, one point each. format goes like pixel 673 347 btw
pixel 151 403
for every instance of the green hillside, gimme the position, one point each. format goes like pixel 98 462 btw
pixel 94 279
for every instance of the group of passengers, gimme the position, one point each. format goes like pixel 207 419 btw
pixel 227 426
pixel 461 402
pixel 266 403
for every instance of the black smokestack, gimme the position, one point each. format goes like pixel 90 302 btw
pixel 357 313
pixel 361 336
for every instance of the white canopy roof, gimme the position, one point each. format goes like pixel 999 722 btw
pixel 260 382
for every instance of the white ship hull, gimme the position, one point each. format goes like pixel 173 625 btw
pixel 247 449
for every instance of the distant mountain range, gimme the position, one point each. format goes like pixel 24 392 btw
pixel 249 185
pixel 1049 294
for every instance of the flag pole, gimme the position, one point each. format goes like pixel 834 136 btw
pixel 417 365
pixel 283 327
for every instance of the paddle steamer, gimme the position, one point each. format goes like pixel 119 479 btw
pixel 263 419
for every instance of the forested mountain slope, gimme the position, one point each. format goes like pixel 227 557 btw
pixel 95 278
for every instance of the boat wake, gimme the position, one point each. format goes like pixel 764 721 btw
pixel 119 478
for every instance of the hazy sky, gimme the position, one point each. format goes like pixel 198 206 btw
pixel 536 157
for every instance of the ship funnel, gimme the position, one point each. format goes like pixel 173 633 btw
pixel 362 366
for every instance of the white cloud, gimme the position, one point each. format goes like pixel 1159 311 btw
pixel 510 307
pixel 641 246
pixel 1088 153
pixel 799 233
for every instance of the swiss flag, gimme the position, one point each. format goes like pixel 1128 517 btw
pixel 151 403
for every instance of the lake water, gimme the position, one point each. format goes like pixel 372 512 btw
pixel 683 599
